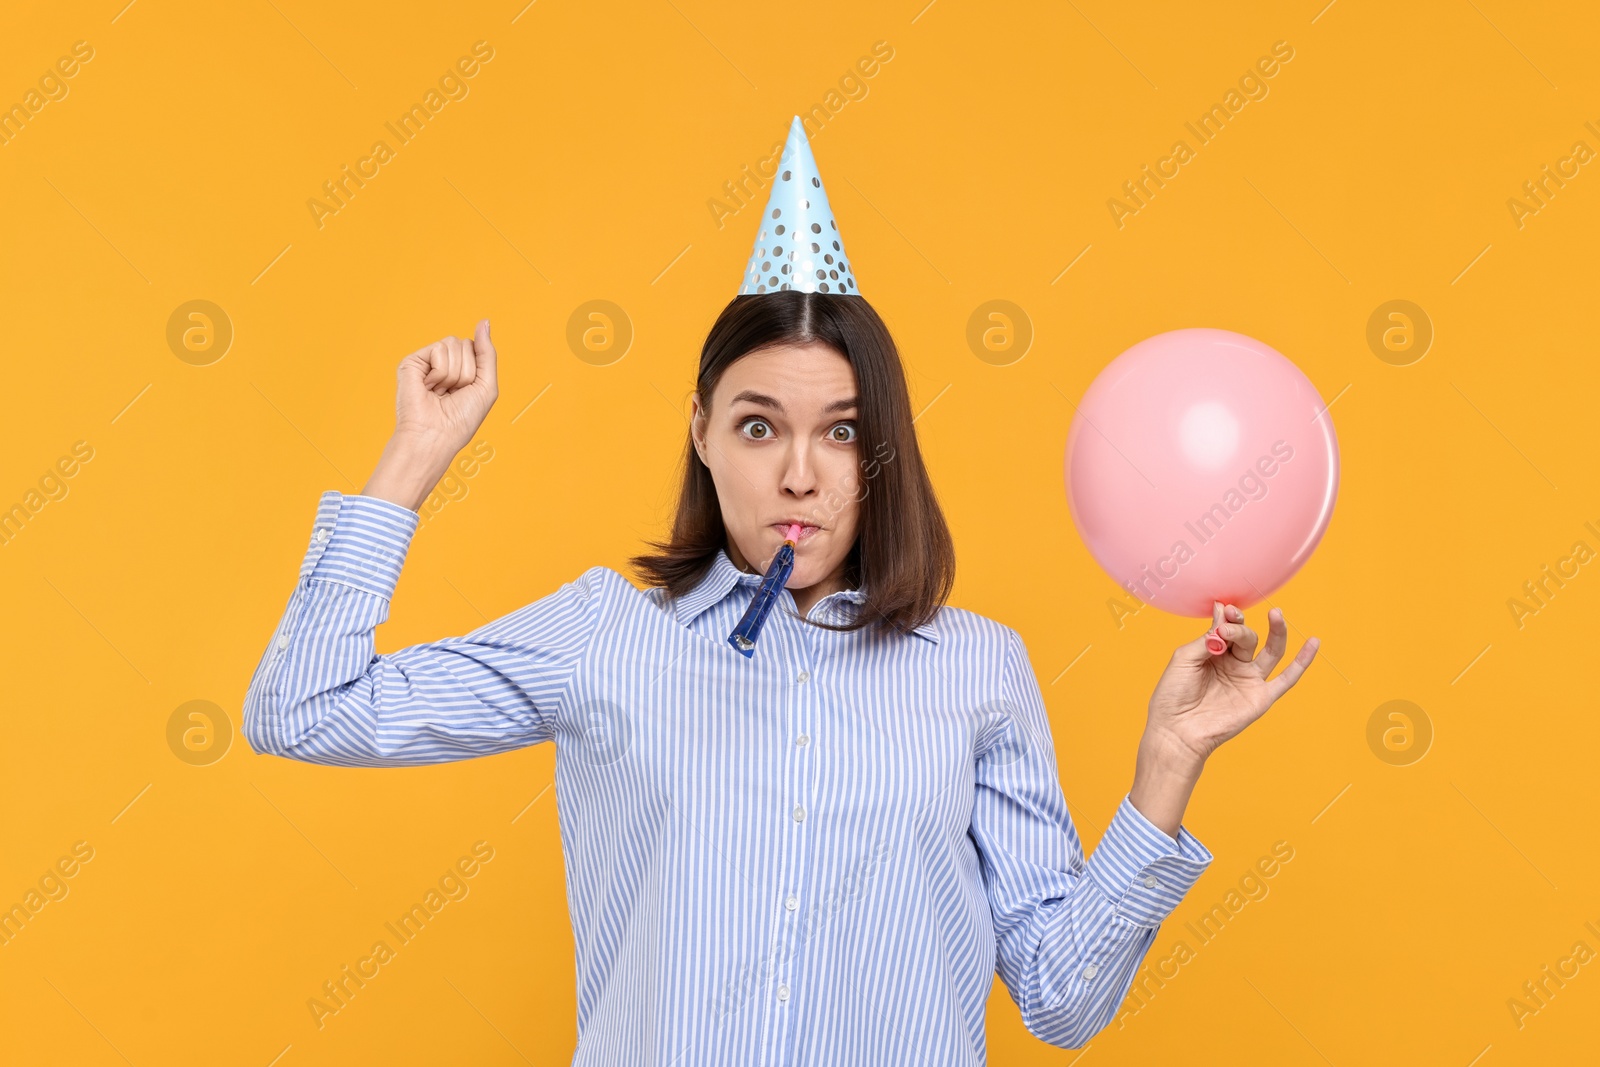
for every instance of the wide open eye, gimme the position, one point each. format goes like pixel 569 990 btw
pixel 766 429
pixel 833 434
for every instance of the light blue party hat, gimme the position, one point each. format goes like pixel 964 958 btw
pixel 798 246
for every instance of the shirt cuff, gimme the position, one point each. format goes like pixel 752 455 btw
pixel 1143 871
pixel 359 541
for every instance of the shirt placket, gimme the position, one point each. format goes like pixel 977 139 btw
pixel 799 651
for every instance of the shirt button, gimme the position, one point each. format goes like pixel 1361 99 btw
pixel 1150 881
pixel 799 814
pixel 783 992
pixel 283 641
pixel 792 903
pixel 322 534
pixel 1090 971
pixel 803 676
pixel 803 740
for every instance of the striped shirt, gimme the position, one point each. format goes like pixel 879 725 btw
pixel 818 855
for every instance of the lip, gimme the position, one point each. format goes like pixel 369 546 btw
pixel 806 531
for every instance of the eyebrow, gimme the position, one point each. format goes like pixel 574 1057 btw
pixel 772 402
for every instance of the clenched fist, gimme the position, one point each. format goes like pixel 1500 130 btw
pixel 446 390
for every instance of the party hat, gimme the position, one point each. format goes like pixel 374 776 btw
pixel 798 246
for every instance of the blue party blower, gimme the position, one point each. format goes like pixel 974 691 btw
pixel 744 635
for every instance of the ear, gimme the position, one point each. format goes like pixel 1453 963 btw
pixel 697 427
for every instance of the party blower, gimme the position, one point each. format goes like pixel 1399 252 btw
pixel 744 635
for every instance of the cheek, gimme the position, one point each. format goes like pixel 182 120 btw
pixel 736 475
pixel 845 496
pixel 850 516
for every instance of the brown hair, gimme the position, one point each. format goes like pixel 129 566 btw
pixel 903 553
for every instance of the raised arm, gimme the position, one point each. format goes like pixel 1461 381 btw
pixel 321 694
pixel 1070 934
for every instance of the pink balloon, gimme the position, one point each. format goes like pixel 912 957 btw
pixel 1201 465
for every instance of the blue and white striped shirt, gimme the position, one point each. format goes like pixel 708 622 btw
pixel 819 855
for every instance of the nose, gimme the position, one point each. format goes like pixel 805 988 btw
pixel 800 472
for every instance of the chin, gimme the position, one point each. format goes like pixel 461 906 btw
pixel 804 577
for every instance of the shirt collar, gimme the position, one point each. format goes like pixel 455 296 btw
pixel 722 577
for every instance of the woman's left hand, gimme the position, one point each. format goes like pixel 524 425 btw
pixel 1203 699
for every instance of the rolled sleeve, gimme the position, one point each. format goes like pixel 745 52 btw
pixel 1142 871
pixel 359 541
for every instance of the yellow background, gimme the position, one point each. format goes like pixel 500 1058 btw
pixel 978 166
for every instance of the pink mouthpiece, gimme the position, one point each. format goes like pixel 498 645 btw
pixel 1215 644
pixel 794 533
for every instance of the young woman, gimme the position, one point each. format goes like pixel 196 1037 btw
pixel 822 853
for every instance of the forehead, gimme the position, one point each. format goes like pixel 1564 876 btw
pixel 799 376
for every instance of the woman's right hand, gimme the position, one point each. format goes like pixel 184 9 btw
pixel 446 390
